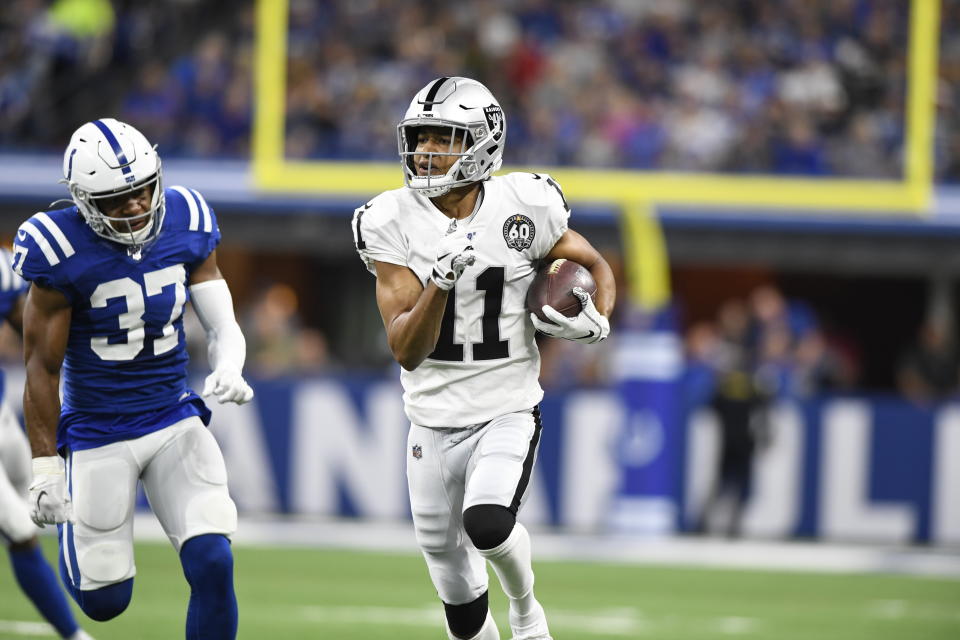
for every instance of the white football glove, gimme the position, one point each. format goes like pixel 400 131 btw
pixel 228 385
pixel 588 326
pixel 454 254
pixel 49 499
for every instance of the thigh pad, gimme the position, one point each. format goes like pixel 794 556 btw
pixel 103 491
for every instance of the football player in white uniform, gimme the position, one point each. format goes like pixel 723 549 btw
pixel 35 577
pixel 453 253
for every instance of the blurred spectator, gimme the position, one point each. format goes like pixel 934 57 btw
pixel 820 366
pixel 775 365
pixel 701 350
pixel 789 354
pixel 799 150
pixel 861 153
pixel 770 310
pixel 277 342
pixel 313 352
pixel 930 369
pixel 754 353
pixel 568 365
pixel 738 402
pixel 271 325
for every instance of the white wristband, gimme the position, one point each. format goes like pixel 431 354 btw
pixel 47 465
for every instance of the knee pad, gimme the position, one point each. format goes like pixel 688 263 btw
pixel 466 620
pixel 488 525
pixel 207 560
pixel 105 603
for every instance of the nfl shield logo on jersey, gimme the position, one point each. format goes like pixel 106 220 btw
pixel 518 232
pixel 417 451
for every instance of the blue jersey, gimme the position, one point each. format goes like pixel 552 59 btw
pixel 12 287
pixel 125 370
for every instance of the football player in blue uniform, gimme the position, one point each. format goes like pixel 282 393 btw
pixel 34 575
pixel 110 275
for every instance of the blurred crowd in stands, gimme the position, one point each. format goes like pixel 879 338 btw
pixel 928 371
pixel 764 348
pixel 759 349
pixel 767 86
pixel 789 86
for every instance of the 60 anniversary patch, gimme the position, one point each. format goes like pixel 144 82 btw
pixel 518 232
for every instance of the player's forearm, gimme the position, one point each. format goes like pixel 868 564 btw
pixel 41 410
pixel 413 335
pixel 606 286
pixel 226 346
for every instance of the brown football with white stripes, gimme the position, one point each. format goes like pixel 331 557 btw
pixel 553 285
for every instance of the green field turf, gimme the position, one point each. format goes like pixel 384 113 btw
pixel 344 595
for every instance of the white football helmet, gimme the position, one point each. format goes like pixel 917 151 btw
pixel 106 159
pixel 473 115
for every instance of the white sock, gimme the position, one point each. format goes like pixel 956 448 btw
pixel 488 631
pixel 512 563
pixel 80 635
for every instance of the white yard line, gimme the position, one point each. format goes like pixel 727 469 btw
pixel 887 609
pixel 612 622
pixel 624 622
pixel 918 610
pixel 27 629
pixel 615 622
pixel 736 625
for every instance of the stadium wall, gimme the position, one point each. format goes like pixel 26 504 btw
pixel 838 468
pixel 852 469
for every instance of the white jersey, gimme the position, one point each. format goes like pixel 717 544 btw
pixel 486 361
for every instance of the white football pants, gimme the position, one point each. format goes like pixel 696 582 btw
pixel 451 470
pixel 15 475
pixel 184 478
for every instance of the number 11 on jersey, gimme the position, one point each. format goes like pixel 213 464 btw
pixel 490 281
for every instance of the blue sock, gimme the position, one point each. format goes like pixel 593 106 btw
pixel 208 566
pixel 39 582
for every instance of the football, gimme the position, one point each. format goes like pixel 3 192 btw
pixel 553 285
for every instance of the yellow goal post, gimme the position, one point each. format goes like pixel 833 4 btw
pixel 635 194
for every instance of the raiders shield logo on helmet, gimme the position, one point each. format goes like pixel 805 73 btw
pixel 494 116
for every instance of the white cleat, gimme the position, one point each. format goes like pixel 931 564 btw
pixel 532 626
pixel 80 635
